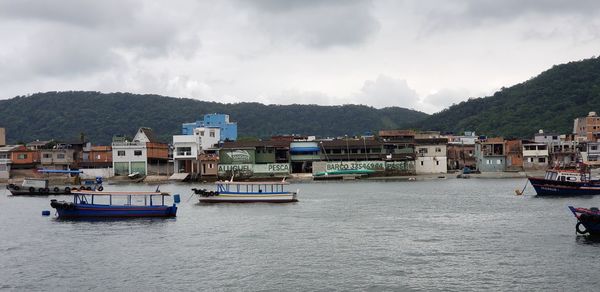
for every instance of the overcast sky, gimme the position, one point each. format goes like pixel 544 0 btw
pixel 417 54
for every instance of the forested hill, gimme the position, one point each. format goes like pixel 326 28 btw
pixel 65 115
pixel 550 101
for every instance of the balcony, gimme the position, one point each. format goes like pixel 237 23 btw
pixel 5 161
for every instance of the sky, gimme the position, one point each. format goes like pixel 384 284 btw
pixel 422 54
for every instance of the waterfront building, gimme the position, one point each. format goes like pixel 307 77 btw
pixel 190 150
pixel 96 157
pixel 144 155
pixel 228 129
pixel 460 151
pixel 491 154
pixel 431 153
pixel 254 159
pixel 62 156
pixel 5 161
pixel 303 154
pixel 2 137
pixel 591 155
pixel 23 158
pixel 514 155
pixel 398 145
pixel 535 156
pixel 587 128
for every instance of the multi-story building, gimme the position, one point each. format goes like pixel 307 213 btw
pixel 431 153
pixel 398 145
pixel 5 161
pixel 228 129
pixel 254 158
pixel 60 157
pixel 535 156
pixel 461 151
pixel 514 155
pixel 97 157
pixel 144 155
pixel 189 151
pixel 587 128
pixel 491 154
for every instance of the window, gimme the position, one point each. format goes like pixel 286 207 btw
pixel 421 163
pixel 137 152
pixel 499 161
pixel 212 133
pixel 184 151
pixel 47 155
pixel 121 153
pixel 542 160
pixel 438 149
pixel 201 133
pixel 422 150
pixel 98 156
pixel 594 147
pixel 60 156
pixel 22 156
pixel 437 163
pixel 210 165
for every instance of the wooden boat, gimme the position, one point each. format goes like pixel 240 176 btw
pixel 44 186
pixel 588 218
pixel 566 182
pixel 92 204
pixel 247 192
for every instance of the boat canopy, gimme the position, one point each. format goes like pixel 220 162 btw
pixel 252 183
pixel 43 170
pixel 95 193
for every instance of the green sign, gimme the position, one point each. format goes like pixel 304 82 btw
pixel 229 156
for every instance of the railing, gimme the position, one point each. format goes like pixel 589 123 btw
pixel 5 161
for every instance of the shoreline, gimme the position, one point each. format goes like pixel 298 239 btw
pixel 302 178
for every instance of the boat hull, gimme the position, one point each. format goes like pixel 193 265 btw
pixel 544 187
pixel 588 218
pixel 111 211
pixel 243 198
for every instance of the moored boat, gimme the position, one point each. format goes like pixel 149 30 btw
pixel 247 192
pixel 588 218
pixel 45 186
pixel 566 182
pixel 93 204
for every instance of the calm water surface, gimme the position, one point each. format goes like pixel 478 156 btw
pixel 423 235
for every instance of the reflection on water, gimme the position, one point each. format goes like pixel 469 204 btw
pixel 421 235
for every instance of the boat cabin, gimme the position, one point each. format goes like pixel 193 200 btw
pixel 252 187
pixel 121 198
pixel 567 175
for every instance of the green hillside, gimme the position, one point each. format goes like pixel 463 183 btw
pixel 550 101
pixel 64 115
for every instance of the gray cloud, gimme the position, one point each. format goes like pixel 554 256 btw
pixel 476 13
pixel 318 24
pixel 387 91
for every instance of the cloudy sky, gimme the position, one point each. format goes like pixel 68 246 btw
pixel 417 54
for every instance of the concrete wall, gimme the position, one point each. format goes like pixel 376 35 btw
pixel 428 165
pixel 89 173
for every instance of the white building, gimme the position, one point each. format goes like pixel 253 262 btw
pixel 131 156
pixel 431 158
pixel 535 156
pixel 188 148
pixel 5 161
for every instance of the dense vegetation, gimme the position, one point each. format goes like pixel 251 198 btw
pixel 549 101
pixel 65 115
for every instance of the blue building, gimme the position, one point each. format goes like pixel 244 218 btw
pixel 228 129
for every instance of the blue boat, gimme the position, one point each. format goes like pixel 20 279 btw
pixel 565 182
pixel 588 218
pixel 93 204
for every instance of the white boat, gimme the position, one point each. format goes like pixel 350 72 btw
pixel 248 192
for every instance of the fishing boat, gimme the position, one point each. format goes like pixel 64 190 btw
pixel 247 192
pixel 566 182
pixel 93 204
pixel 588 218
pixel 45 186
